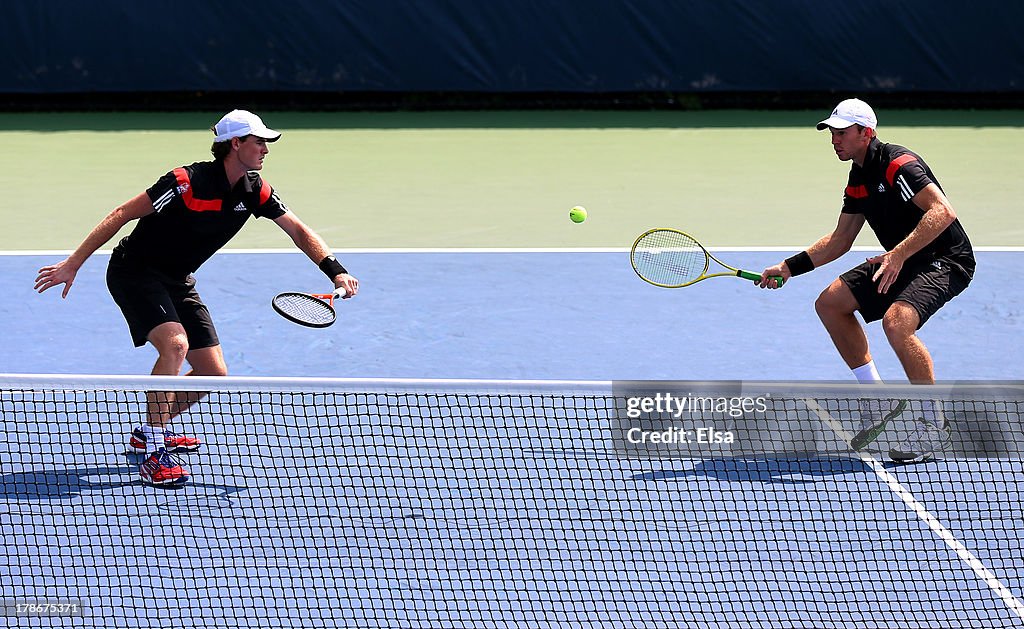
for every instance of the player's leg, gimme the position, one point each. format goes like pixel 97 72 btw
pixel 928 286
pixel 194 339
pixel 931 431
pixel 207 361
pixel 145 300
pixel 155 437
pixel 171 343
pixel 836 307
pixel 900 324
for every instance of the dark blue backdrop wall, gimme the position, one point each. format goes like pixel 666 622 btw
pixel 589 46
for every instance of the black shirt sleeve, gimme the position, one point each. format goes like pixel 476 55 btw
pixel 269 204
pixel 164 189
pixel 909 177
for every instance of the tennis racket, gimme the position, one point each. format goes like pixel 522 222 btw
pixel 313 310
pixel 673 259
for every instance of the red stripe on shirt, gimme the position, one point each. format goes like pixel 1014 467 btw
pixel 265 192
pixel 896 164
pixel 185 189
pixel 859 192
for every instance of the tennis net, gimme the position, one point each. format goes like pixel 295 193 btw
pixel 443 503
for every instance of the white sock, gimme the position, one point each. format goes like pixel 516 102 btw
pixel 867 374
pixel 871 408
pixel 154 438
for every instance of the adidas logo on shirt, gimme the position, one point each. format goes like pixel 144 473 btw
pixel 241 207
pixel 881 187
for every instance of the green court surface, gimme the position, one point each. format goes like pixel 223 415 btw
pixel 508 179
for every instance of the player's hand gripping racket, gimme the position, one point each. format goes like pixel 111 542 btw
pixel 672 259
pixel 311 310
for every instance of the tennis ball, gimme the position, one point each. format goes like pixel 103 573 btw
pixel 578 214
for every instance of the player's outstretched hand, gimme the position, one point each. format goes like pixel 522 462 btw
pixel 52 275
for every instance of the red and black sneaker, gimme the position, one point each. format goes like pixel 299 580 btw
pixel 162 469
pixel 173 442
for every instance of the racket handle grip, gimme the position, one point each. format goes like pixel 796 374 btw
pixel 755 277
pixel 340 292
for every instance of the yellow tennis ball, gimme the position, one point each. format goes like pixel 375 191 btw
pixel 578 214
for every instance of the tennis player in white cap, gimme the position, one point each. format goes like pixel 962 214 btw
pixel 928 260
pixel 183 219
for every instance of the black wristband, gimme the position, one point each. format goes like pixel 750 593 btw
pixel 799 264
pixel 331 267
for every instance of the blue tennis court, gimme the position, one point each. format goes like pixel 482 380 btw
pixel 516 315
pixel 452 508
pixel 424 505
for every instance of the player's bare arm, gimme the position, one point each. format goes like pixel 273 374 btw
pixel 64 272
pixel 825 250
pixel 310 243
pixel 938 215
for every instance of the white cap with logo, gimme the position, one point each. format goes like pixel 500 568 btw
pixel 240 123
pixel 850 112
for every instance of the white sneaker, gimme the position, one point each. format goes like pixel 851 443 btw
pixel 923 443
pixel 874 422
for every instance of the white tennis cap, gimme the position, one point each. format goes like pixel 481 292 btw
pixel 849 112
pixel 240 123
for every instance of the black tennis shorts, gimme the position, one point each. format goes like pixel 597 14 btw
pixel 148 298
pixel 926 285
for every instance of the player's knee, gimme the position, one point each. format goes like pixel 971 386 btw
pixel 899 322
pixel 827 304
pixel 174 347
pixel 822 305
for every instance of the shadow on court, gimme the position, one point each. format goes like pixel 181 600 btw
pixel 58 484
pixel 67 483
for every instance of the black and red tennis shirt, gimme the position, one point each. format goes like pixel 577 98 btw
pixel 197 213
pixel 882 190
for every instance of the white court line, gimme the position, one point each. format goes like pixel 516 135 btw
pixel 933 523
pixel 64 252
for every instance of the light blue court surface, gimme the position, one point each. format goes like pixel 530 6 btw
pixel 387 514
pixel 510 315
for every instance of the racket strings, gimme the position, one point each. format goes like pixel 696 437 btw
pixel 669 258
pixel 305 307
